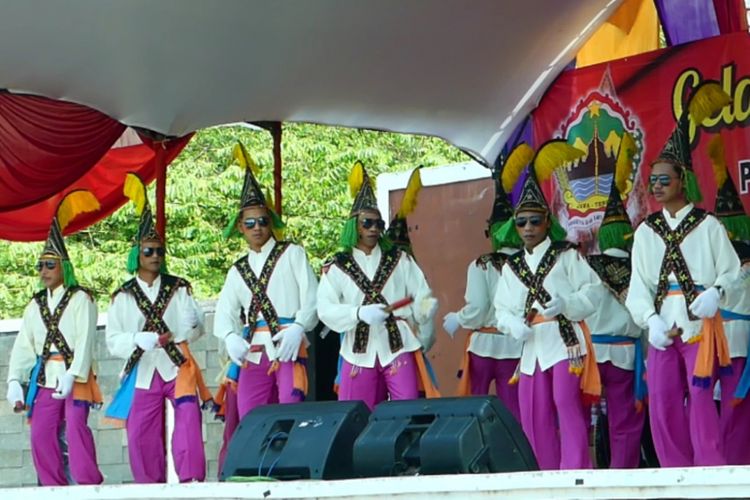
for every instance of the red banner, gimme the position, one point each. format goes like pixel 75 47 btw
pixel 593 107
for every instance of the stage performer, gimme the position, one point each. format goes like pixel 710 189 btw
pixel 151 322
pixel 267 304
pixel 53 353
pixel 683 262
pixel 357 287
pixel 735 409
pixel 617 339
pixel 544 293
pixel 488 354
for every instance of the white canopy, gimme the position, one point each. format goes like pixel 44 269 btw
pixel 464 70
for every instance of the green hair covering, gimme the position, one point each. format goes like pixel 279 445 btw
pixel 506 235
pixel 349 237
pixel 615 235
pixel 132 264
pixel 737 226
pixel 692 189
pixel 69 276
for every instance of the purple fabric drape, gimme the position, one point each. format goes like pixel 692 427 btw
pixel 523 133
pixel 687 20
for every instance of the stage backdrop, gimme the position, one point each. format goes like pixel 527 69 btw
pixel 592 107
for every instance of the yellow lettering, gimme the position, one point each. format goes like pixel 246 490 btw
pixel 741 101
pixel 687 79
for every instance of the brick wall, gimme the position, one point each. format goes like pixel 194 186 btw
pixel 16 467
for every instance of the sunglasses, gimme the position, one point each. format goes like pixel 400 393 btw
pixel 663 179
pixel 149 251
pixel 262 221
pixel 535 220
pixel 369 223
pixel 49 264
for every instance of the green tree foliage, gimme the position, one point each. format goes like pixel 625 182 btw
pixel 202 193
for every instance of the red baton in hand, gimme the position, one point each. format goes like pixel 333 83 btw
pixel 399 304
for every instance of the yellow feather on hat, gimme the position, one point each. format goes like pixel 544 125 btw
pixel 624 165
pixel 553 155
pixel 356 178
pixel 135 190
pixel 718 162
pixel 707 99
pixel 76 203
pixel 409 203
pixel 243 158
pixel 514 165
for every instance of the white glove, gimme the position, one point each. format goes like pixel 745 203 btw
pixel 554 307
pixel 15 393
pixel 147 340
pixel 706 304
pixel 237 348
pixel 428 307
pixel 64 386
pixel 657 333
pixel 451 324
pixel 373 314
pixel 291 338
pixel 518 329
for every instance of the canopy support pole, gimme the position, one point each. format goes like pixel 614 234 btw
pixel 275 130
pixel 161 188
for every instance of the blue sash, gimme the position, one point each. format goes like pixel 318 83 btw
pixel 743 385
pixel 339 364
pixel 120 406
pixel 639 368
pixel 233 372
pixel 33 386
pixel 733 316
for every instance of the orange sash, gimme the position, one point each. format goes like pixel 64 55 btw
pixel 591 384
pixel 713 344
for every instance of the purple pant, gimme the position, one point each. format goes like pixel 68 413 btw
pixel 625 423
pixel 48 418
pixel 684 420
pixel 735 420
pixel 484 370
pixel 554 418
pixel 145 427
pixel 399 377
pixel 256 387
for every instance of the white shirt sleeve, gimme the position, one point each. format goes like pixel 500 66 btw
pixel 84 310
pixel 227 316
pixel 120 340
pixel 307 316
pixel 586 285
pixel 23 355
pixel 337 315
pixel 640 300
pixel 477 297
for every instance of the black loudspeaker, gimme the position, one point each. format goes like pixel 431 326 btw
pixel 297 441
pixel 442 436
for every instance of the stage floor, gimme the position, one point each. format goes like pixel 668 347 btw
pixel 699 482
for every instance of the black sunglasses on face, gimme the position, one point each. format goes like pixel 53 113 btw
pixel 149 251
pixel 663 179
pixel 368 223
pixel 49 264
pixel 262 221
pixel 535 220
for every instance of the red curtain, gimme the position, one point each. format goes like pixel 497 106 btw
pixel 730 15
pixel 49 148
pixel 47 145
